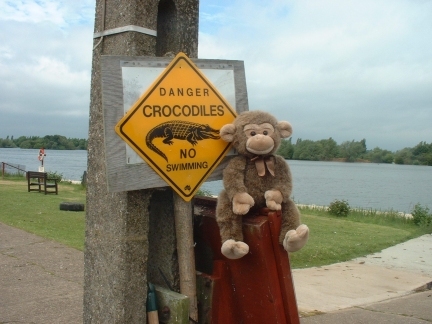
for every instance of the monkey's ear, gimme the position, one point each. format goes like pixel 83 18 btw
pixel 227 132
pixel 285 129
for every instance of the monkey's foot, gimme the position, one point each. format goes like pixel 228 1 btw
pixel 296 239
pixel 234 249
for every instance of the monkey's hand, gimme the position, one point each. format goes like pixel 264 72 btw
pixel 273 199
pixel 296 239
pixel 242 202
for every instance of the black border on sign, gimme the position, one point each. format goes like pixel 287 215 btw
pixel 122 176
pixel 141 102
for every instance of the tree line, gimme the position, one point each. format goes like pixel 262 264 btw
pixel 353 151
pixel 52 142
pixel 322 150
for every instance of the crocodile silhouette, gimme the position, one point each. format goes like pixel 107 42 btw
pixel 182 130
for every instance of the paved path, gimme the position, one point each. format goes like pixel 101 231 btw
pixel 379 288
pixel 394 272
pixel 41 282
pixel 415 308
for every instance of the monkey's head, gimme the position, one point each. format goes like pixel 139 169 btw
pixel 256 133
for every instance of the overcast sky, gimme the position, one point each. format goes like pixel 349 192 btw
pixel 342 69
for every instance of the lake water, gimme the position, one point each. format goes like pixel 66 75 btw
pixel 365 185
pixel 71 164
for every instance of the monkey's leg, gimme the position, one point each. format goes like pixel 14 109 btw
pixel 293 236
pixel 230 228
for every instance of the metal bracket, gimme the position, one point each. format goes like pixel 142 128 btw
pixel 118 30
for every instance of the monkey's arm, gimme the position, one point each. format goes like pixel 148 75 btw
pixel 233 176
pixel 281 187
pixel 233 179
pixel 282 180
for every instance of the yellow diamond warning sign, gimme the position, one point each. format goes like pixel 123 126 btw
pixel 174 126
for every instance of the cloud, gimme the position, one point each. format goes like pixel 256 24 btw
pixel 45 64
pixel 60 13
pixel 339 68
pixel 346 69
pixel 31 11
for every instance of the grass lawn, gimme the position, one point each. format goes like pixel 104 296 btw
pixel 332 239
pixel 335 240
pixel 40 214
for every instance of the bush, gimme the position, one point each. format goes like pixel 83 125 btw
pixel 204 192
pixel 421 216
pixel 55 175
pixel 339 208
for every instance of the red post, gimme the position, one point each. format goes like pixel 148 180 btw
pixel 41 155
pixel 257 288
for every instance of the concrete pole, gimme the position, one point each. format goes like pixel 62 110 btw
pixel 118 225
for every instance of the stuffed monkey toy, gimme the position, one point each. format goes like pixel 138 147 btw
pixel 254 179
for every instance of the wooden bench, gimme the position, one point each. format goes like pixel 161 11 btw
pixel 39 181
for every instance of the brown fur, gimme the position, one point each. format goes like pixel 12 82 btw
pixel 241 177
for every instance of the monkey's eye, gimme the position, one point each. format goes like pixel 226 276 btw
pixel 251 130
pixel 265 133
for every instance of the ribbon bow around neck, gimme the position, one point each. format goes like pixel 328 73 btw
pixel 261 163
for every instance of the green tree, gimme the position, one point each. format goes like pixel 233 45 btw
pixel 378 155
pixel 7 143
pixel 27 144
pixel 329 149
pixel 307 150
pixel 351 151
pixel 422 153
pixel 403 156
pixel 19 140
pixel 286 148
pixel 55 142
